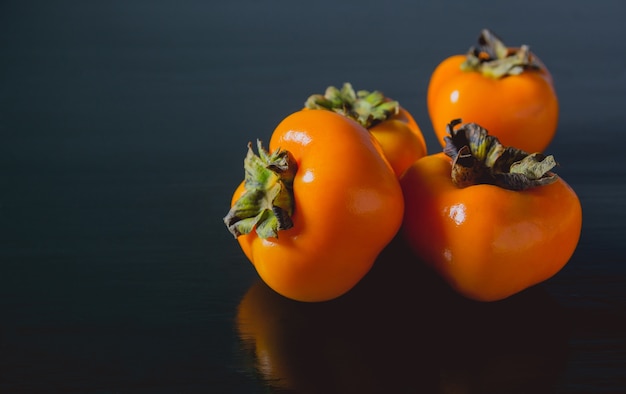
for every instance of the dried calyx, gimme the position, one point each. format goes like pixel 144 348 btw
pixel 479 158
pixel 367 108
pixel 267 203
pixel 495 60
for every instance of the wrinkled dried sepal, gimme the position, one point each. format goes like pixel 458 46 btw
pixel 266 205
pixel 519 181
pixel 484 147
pixel 479 158
pixel 367 108
pixel 467 170
pixel 493 59
pixel 532 171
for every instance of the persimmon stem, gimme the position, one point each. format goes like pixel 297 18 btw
pixel 367 108
pixel 267 204
pixel 479 158
pixel 495 60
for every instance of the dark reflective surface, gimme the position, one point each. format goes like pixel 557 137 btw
pixel 401 312
pixel 123 127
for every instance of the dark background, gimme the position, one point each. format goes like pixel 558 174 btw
pixel 123 125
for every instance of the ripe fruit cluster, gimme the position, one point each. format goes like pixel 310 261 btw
pixel 350 169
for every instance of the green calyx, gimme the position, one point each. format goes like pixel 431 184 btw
pixel 267 203
pixel 479 158
pixel 495 60
pixel 367 108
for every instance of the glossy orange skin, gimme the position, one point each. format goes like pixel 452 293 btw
pixel 521 110
pixel 348 207
pixel 401 140
pixel 488 243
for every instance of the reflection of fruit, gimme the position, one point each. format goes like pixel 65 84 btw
pixel 402 330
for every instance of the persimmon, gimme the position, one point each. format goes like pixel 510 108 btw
pixel 314 211
pixel 490 220
pixel 507 90
pixel 394 127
